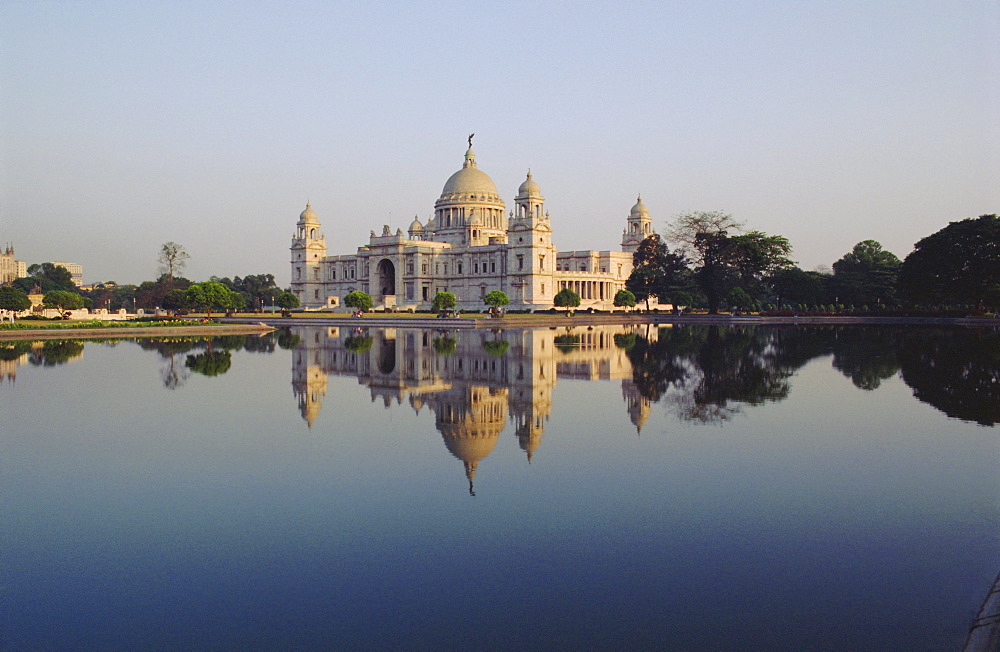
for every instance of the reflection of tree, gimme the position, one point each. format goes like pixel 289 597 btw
pixel 496 348
pixel 625 340
pixel 173 374
pixel 712 369
pixel 288 340
pixel 358 344
pixel 14 350
pixel 567 343
pixel 261 344
pixel 867 356
pixel 445 345
pixel 958 372
pixel 56 352
pixel 210 363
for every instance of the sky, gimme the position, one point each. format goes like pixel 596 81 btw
pixel 126 125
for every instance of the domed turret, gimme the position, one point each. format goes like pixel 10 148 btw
pixel 308 215
pixel 529 188
pixel 416 228
pixel 639 208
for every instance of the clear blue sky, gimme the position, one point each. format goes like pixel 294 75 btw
pixel 124 125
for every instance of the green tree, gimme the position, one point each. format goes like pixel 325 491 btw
pixel 287 301
pixel 210 363
pixel 656 272
pixel 743 261
pixel 57 274
pixel 175 300
pixel 739 299
pixel 496 299
pixel 958 264
pixel 444 302
pixel 360 300
pixel 866 275
pixel 62 300
pixel 496 348
pixel 172 259
pixel 208 296
pixel 624 299
pixel 794 286
pixel 566 298
pixel 445 345
pixel 14 299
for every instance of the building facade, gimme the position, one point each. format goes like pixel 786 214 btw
pixel 8 266
pixel 471 246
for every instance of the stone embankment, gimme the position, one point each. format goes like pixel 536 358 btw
pixel 255 328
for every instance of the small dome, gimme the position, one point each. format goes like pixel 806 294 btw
pixel 308 215
pixel 470 180
pixel 639 208
pixel 415 225
pixel 529 188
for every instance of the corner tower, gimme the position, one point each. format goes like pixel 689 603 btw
pixel 531 256
pixel 308 250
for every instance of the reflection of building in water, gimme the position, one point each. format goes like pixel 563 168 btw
pixel 8 368
pixel 471 380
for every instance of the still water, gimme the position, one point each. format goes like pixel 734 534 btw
pixel 609 487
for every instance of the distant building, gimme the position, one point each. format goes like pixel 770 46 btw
pixel 75 269
pixel 8 266
pixel 470 247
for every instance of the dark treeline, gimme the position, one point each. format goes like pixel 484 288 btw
pixel 716 266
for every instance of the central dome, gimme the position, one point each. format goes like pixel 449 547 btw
pixel 470 180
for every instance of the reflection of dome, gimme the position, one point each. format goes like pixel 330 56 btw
pixel 639 208
pixel 308 215
pixel 470 180
pixel 529 187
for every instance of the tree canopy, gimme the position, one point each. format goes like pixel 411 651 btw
pixel 624 299
pixel 211 295
pixel 866 276
pixel 359 300
pixel 566 298
pixel 62 300
pixel 14 299
pixel 496 298
pixel 656 272
pixel 286 301
pixel 58 276
pixel 444 301
pixel 958 264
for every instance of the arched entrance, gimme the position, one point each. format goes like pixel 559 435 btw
pixel 386 279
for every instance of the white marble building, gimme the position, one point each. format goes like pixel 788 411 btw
pixel 470 247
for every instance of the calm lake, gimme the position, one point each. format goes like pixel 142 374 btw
pixel 688 488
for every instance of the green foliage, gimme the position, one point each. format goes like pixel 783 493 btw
pixel 57 274
pixel 174 300
pixel 62 300
pixel 14 350
pixel 741 260
pixel 287 301
pixel 210 363
pixel 624 299
pixel 793 285
pixel 444 301
pixel 257 290
pixel 288 340
pixel 625 340
pixel 656 272
pixel 14 299
pixel 496 348
pixel 56 352
pixel 739 299
pixel 210 295
pixel 958 264
pixel 444 345
pixel 566 343
pixel 496 298
pixel 359 300
pixel 566 298
pixel 866 274
pixel 358 344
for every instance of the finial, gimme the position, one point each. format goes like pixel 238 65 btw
pixel 529 173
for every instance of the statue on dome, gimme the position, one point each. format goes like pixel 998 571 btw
pixel 470 139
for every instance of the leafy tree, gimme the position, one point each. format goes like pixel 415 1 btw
pixel 566 298
pixel 62 300
pixel 739 299
pixel 209 295
pixel 866 275
pixel 358 343
pixel 172 259
pixel 656 272
pixel 496 298
pixel 624 299
pixel 742 260
pixel 444 302
pixel 287 301
pixel 56 352
pixel 792 285
pixel 57 274
pixel 175 300
pixel 958 264
pixel 14 299
pixel 359 300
